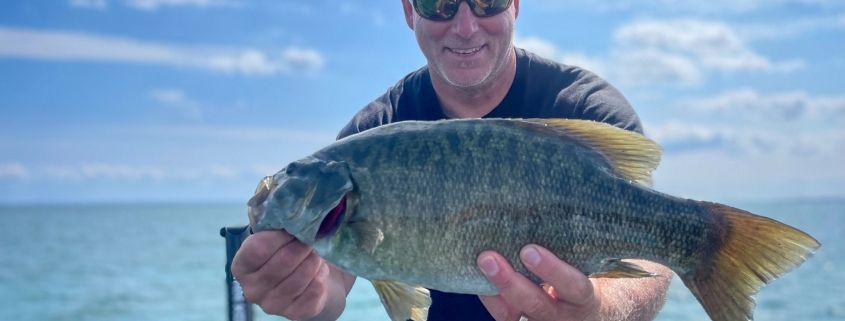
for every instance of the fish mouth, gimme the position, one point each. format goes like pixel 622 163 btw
pixel 331 221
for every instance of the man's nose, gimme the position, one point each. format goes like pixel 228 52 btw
pixel 465 23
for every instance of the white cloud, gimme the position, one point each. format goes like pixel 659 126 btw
pixel 715 175
pixel 170 96
pixel 713 45
pixel 91 4
pixel 678 131
pixel 647 67
pixel 120 171
pixel 105 171
pixel 697 36
pixel 636 68
pixel 13 170
pixel 592 64
pixel 682 137
pixel 675 6
pixel 176 99
pixel 239 134
pixel 679 51
pixel 537 45
pixel 156 4
pixel 548 50
pixel 60 172
pixel 72 46
pixel 303 59
pixel 152 5
pixel 786 29
pixel 772 106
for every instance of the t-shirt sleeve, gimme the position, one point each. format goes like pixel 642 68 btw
pixel 408 99
pixel 600 101
pixel 376 113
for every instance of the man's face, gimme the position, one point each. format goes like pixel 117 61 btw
pixel 466 51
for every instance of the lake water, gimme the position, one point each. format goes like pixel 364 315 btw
pixel 166 262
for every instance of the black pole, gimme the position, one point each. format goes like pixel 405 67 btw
pixel 239 308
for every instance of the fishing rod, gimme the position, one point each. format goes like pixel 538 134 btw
pixel 239 308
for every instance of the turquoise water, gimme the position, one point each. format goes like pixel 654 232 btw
pixel 165 262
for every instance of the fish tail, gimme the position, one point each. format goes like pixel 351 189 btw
pixel 750 251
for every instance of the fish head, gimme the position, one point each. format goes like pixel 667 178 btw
pixel 306 199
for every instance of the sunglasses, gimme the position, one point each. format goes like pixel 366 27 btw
pixel 443 10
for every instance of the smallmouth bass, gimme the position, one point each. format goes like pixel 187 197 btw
pixel 410 205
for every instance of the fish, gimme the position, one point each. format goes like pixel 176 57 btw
pixel 410 205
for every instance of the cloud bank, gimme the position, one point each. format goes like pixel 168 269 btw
pixel 73 46
pixel 784 106
pixel 660 52
pixel 152 5
pixel 679 6
pixel 677 136
pixel 132 172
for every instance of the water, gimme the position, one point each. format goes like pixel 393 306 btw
pixel 166 262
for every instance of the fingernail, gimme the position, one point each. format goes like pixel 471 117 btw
pixel 488 266
pixel 530 256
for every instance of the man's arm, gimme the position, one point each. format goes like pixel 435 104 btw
pixel 569 294
pixel 634 299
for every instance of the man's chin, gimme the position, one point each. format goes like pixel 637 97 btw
pixel 466 80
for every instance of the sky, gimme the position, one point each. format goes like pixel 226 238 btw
pixel 196 100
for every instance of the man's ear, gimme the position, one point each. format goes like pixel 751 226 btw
pixel 516 8
pixel 409 13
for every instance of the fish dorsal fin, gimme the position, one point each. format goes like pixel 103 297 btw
pixel 631 156
pixel 403 301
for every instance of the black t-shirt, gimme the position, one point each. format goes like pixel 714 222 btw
pixel 541 89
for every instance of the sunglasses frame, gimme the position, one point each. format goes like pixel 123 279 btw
pixel 472 6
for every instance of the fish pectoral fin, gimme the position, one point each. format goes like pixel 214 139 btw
pixel 403 301
pixel 368 237
pixel 616 268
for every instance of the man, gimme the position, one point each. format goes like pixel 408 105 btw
pixel 473 70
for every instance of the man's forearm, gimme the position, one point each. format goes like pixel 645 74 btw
pixel 634 299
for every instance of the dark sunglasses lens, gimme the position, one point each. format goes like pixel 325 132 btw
pixel 441 10
pixel 436 9
pixel 487 8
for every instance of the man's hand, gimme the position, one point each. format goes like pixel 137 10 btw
pixel 285 277
pixel 569 295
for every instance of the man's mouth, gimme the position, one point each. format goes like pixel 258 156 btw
pixel 468 51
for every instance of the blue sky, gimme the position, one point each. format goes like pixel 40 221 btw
pixel 196 100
